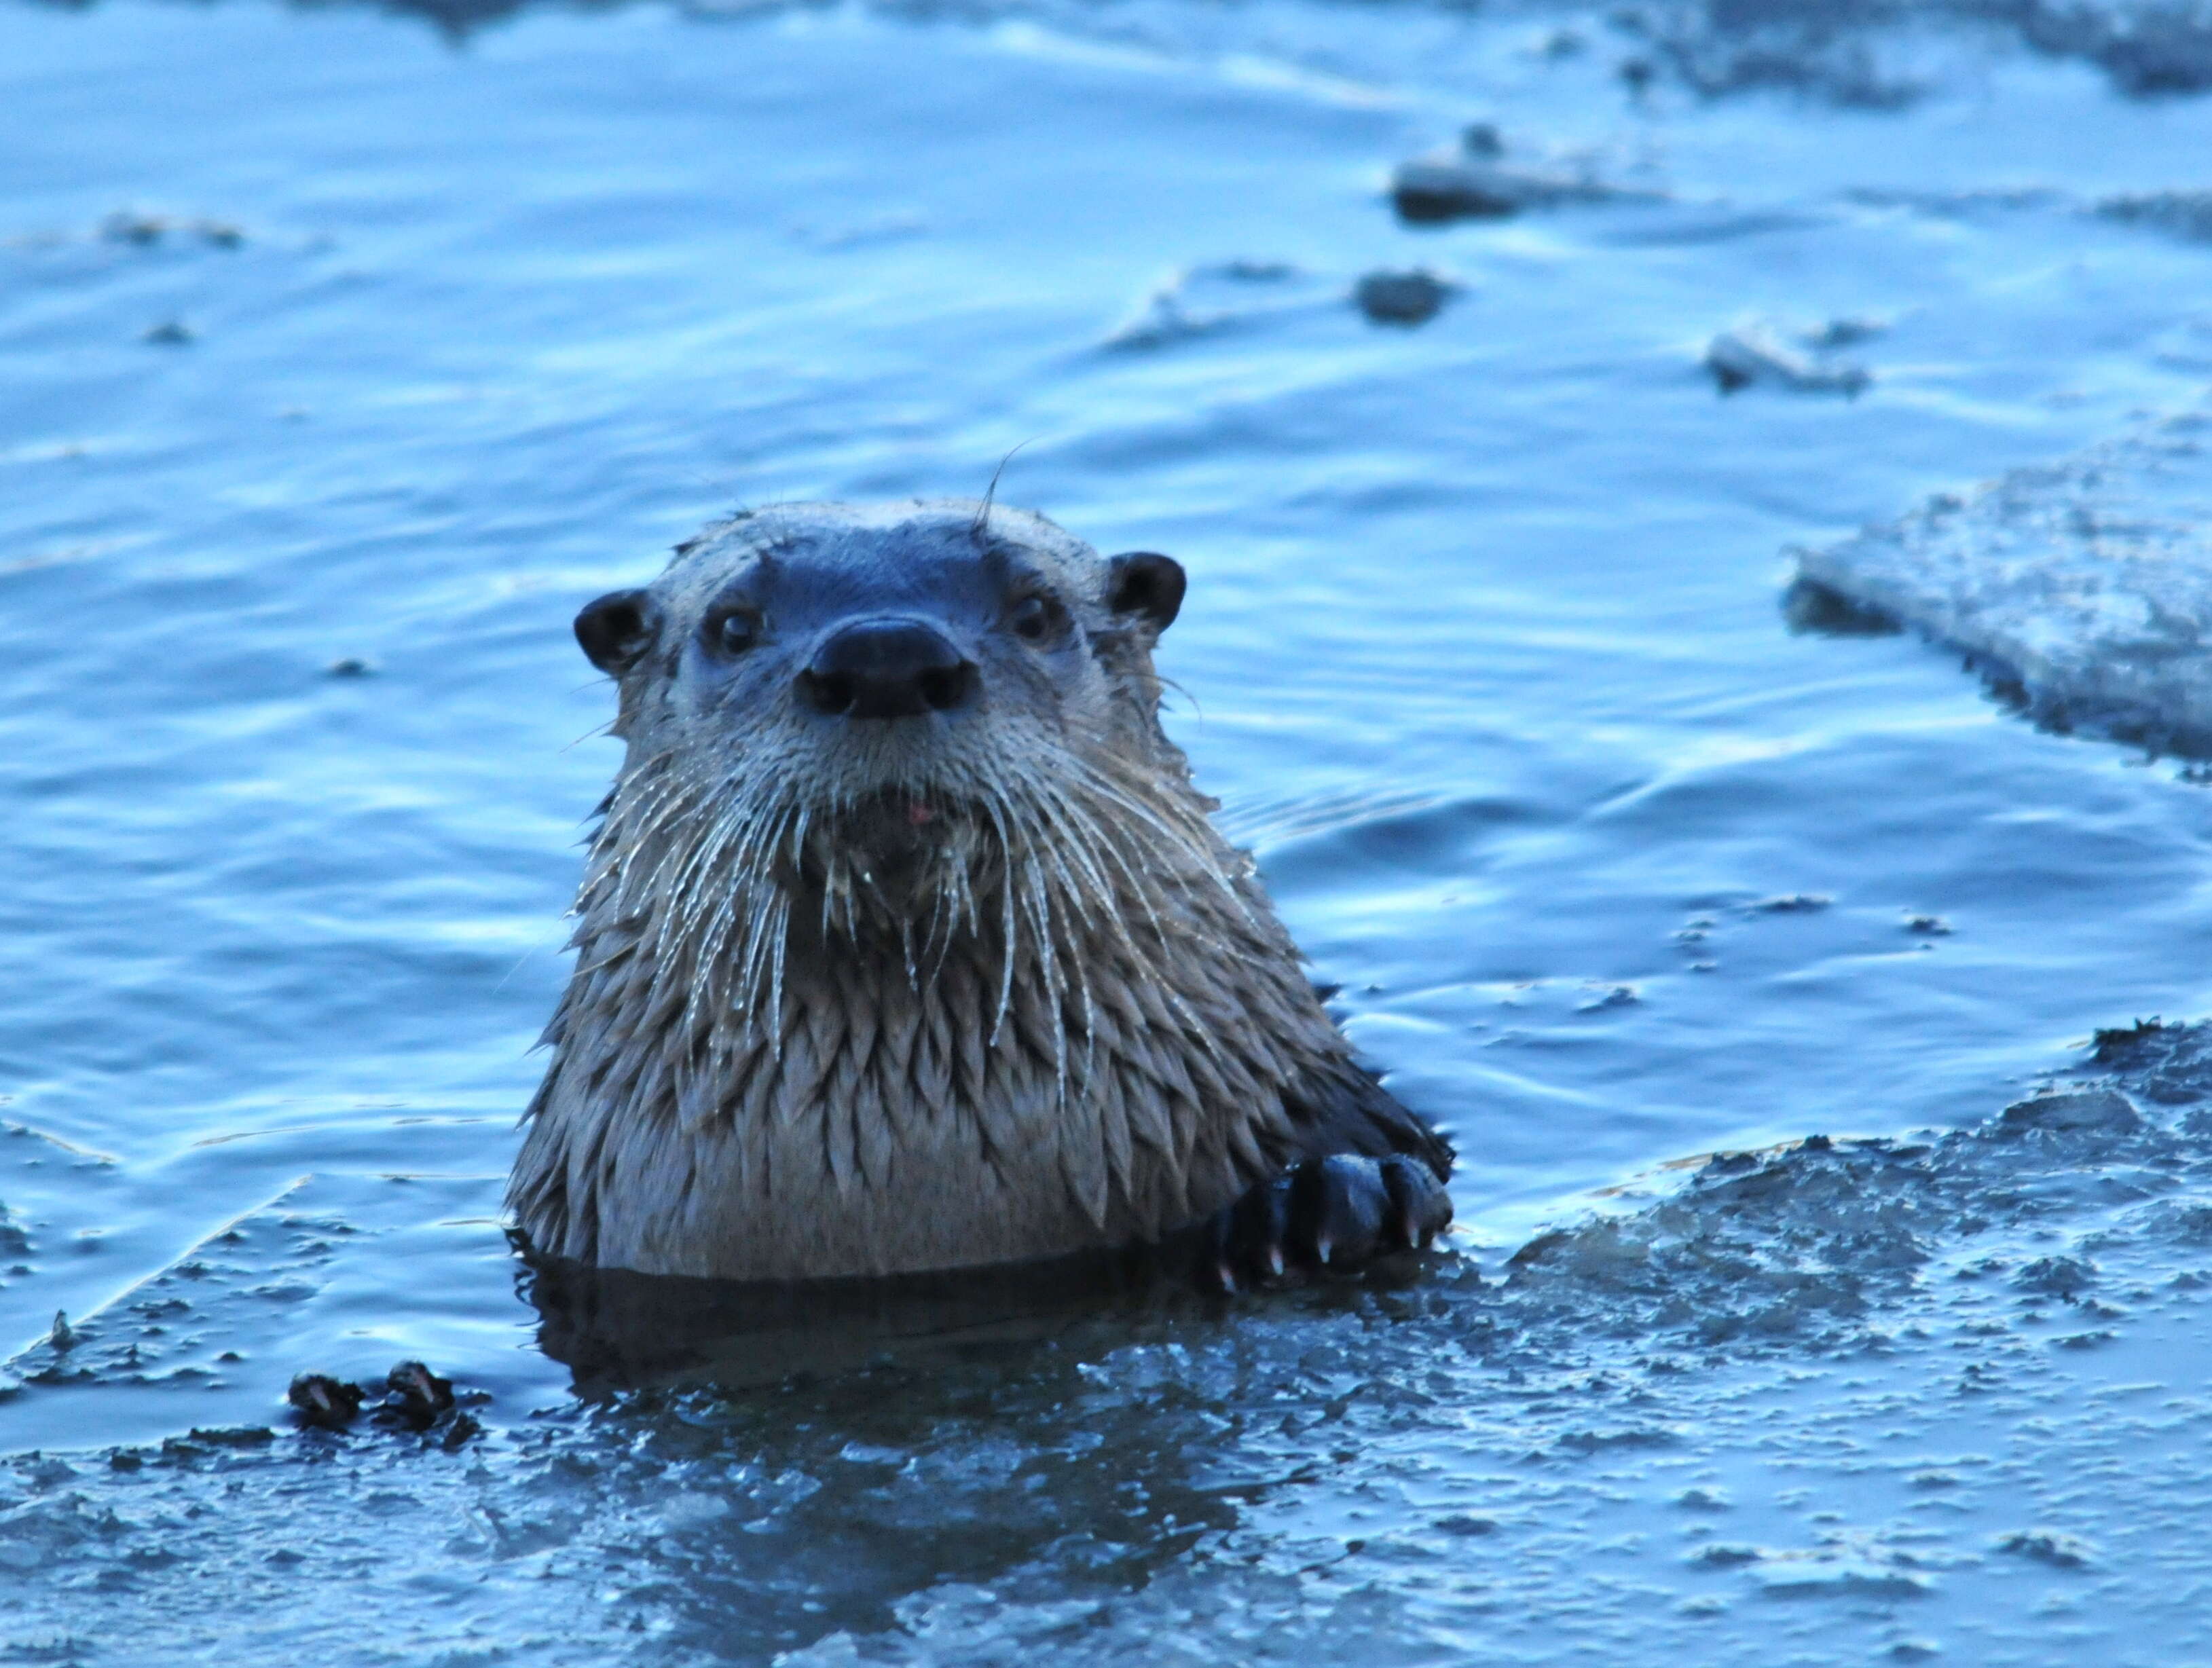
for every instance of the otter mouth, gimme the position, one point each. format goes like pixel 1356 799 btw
pixel 901 844
pixel 897 817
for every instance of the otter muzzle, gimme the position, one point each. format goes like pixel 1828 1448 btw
pixel 887 669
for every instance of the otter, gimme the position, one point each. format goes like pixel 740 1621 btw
pixel 905 944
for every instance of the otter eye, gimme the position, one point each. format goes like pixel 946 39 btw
pixel 1034 618
pixel 735 632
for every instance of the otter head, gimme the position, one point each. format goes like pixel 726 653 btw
pixel 896 710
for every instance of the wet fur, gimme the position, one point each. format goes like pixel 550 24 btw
pixel 804 1040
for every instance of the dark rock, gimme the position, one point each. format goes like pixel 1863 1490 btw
pixel 1403 298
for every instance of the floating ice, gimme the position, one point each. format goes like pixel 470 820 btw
pixel 1212 299
pixel 2083 589
pixel 1804 362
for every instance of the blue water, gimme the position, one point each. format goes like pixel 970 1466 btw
pixel 1484 650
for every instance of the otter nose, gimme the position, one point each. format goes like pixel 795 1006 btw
pixel 887 669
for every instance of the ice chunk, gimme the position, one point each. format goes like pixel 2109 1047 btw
pixel 2048 1546
pixel 1804 362
pixel 1476 181
pixel 2077 1109
pixel 2083 589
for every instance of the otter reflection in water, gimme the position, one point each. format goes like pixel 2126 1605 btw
pixel 906 946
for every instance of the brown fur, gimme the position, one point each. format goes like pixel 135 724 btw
pixel 792 1047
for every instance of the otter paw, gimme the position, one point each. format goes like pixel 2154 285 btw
pixel 1333 1213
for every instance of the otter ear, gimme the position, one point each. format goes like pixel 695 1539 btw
pixel 1146 583
pixel 616 629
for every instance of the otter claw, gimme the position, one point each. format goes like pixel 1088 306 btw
pixel 1420 1208
pixel 1329 1214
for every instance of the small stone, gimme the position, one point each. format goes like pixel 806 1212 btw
pixel 1403 298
